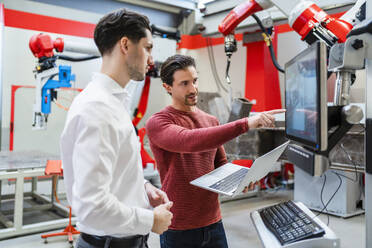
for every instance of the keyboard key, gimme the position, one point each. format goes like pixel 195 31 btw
pixel 230 182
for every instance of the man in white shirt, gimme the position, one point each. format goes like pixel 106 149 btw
pixel 100 149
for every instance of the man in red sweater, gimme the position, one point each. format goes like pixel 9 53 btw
pixel 187 143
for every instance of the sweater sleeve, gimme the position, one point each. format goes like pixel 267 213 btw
pixel 174 138
pixel 220 158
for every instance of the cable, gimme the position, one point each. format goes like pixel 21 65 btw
pixel 165 33
pixel 275 62
pixel 213 66
pixel 76 59
pixel 269 44
pixel 357 177
pixel 321 197
pixel 330 199
pixel 350 159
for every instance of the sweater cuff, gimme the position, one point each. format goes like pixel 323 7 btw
pixel 243 124
pixel 145 220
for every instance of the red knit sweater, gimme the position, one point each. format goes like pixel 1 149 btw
pixel 187 145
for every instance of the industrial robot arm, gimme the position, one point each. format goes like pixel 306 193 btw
pixel 347 53
pixel 240 13
pixel 42 46
pixel 305 17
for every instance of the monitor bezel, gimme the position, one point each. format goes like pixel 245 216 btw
pixel 322 114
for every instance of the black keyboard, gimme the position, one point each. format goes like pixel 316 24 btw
pixel 289 223
pixel 228 183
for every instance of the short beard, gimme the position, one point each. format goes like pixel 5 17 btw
pixel 190 104
pixel 134 74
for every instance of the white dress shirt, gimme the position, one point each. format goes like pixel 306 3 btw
pixel 102 164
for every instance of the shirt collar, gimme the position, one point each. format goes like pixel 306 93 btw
pixel 108 83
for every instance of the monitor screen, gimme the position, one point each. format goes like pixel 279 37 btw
pixel 303 97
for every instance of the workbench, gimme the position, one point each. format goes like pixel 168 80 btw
pixel 17 166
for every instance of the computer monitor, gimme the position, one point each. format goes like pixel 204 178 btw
pixel 306 97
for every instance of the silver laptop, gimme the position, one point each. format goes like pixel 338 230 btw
pixel 230 179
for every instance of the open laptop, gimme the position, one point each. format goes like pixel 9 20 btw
pixel 230 179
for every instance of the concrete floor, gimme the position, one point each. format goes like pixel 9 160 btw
pixel 238 225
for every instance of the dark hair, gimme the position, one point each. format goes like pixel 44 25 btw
pixel 172 64
pixel 117 24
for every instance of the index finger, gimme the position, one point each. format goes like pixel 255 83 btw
pixel 275 111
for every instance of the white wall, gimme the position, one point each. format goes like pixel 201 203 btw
pixel 18 67
pixel 19 70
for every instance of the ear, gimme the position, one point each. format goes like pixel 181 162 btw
pixel 124 43
pixel 168 88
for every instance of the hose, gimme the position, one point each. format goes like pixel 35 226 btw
pixel 76 59
pixel 269 44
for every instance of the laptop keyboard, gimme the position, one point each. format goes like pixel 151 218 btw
pixel 228 183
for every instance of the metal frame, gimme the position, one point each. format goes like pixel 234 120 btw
pixel 17 227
